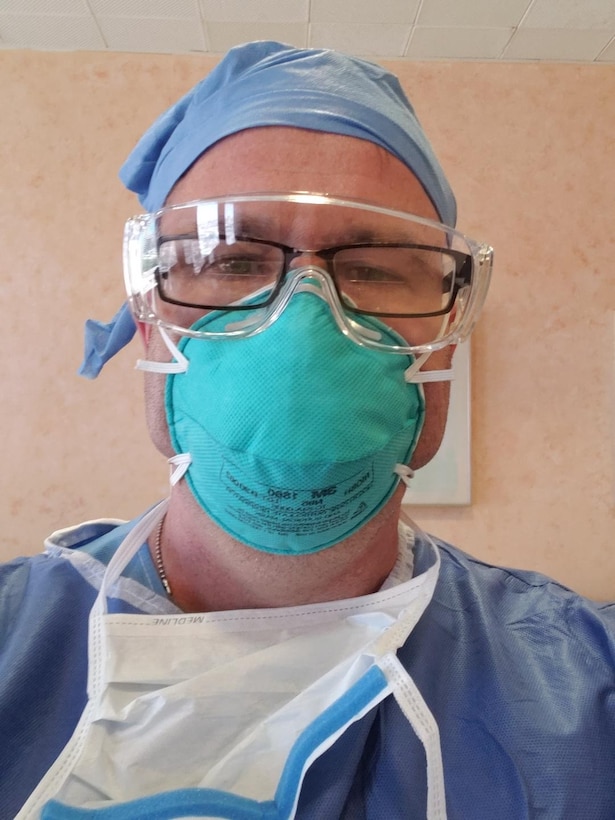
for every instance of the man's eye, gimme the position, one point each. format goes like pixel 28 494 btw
pixel 234 266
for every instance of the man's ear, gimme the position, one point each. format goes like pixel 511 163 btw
pixel 145 331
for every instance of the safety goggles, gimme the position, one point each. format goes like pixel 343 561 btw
pixel 247 256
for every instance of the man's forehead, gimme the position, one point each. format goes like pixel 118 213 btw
pixel 237 163
pixel 286 159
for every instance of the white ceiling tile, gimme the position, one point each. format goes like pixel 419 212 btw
pixel 71 8
pixel 458 43
pixel 475 14
pixel 375 40
pixel 608 54
pixel 149 35
pixel 444 29
pixel 50 33
pixel 579 14
pixel 351 11
pixel 158 9
pixel 263 11
pixel 223 36
pixel 561 44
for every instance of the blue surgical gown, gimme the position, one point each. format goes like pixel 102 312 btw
pixel 518 671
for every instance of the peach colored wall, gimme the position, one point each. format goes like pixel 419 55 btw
pixel 530 151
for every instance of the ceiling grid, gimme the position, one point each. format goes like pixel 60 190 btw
pixel 553 30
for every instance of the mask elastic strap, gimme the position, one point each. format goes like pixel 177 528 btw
pixel 180 365
pixel 178 466
pixel 412 374
pixel 142 530
pixel 404 472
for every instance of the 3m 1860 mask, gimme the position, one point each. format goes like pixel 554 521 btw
pixel 295 433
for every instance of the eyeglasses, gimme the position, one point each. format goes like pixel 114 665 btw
pixel 393 279
pixel 224 255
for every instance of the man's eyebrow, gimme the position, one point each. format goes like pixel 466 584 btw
pixel 268 228
pixel 256 226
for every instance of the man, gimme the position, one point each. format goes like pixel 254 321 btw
pixel 271 641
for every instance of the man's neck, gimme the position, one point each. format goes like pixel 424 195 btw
pixel 208 570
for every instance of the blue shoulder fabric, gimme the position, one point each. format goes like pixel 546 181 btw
pixel 44 608
pixel 519 672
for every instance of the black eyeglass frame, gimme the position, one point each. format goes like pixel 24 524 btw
pixel 464 269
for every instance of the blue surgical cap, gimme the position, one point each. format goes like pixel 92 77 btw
pixel 102 340
pixel 268 83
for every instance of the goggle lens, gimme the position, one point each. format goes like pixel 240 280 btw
pixel 186 260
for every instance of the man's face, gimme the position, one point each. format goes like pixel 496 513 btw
pixel 279 159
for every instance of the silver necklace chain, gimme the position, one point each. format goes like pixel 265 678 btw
pixel 158 555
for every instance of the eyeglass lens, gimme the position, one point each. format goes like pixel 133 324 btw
pixel 392 279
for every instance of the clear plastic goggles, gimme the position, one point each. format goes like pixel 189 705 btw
pixel 248 255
